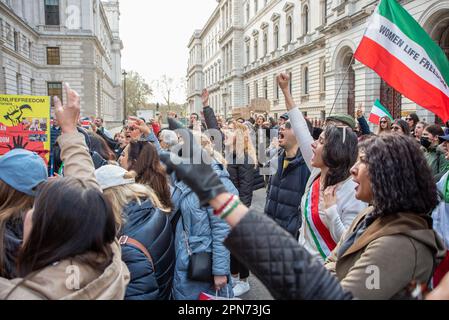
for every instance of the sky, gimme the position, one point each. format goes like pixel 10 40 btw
pixel 155 35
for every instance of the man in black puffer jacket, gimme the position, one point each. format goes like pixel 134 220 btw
pixel 287 186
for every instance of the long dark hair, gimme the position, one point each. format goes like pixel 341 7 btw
pixel 145 161
pixel 400 176
pixel 99 145
pixel 69 220
pixel 339 153
pixel 403 125
pixel 13 205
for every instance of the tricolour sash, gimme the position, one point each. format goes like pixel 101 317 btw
pixel 320 233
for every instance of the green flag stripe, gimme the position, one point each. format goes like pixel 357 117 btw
pixel 380 106
pixel 394 12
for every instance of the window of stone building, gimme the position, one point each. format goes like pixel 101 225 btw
pixel 247 12
pixel 289 29
pixel 248 52
pixel 54 89
pixel 30 50
pixel 265 44
pixel 276 37
pixel 32 87
pixel 19 83
pixel 256 89
pixel 256 49
pixel 53 56
pixel 16 41
pixel 305 81
pixel 305 19
pixel 290 75
pixel 323 11
pixel 248 94
pixel 276 88
pixel 265 88
pixel 52 12
pixel 256 6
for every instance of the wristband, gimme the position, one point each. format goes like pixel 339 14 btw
pixel 233 207
pixel 220 211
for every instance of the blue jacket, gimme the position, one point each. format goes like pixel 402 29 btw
pixel 205 233
pixel 152 228
pixel 285 193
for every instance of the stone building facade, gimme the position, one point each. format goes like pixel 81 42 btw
pixel 314 41
pixel 44 43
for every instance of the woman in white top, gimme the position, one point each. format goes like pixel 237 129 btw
pixel 329 205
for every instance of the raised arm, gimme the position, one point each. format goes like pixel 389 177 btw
pixel 297 121
pixel 74 152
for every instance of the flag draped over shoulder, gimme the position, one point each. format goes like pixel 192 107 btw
pixel 397 48
pixel 378 111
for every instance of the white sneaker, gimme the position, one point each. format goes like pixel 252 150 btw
pixel 234 281
pixel 241 288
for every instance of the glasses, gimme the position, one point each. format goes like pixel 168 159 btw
pixel 383 122
pixel 394 128
pixel 408 119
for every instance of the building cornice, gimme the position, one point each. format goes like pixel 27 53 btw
pixel 225 36
pixel 7 11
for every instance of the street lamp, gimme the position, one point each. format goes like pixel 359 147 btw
pixel 125 111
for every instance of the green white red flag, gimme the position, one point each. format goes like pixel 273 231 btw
pixel 400 51
pixel 377 112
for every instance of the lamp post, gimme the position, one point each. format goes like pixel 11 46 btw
pixel 125 111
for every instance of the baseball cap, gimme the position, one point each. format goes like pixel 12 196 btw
pixel 110 176
pixel 343 118
pixel 23 170
pixel 285 116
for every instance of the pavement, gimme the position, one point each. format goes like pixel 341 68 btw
pixel 258 290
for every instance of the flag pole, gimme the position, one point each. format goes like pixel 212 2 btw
pixel 341 85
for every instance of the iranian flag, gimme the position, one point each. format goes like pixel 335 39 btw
pixel 397 48
pixel 378 111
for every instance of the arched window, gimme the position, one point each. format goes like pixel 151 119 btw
pixel 276 37
pixel 305 19
pixel 265 44
pixel 289 30
pixel 256 49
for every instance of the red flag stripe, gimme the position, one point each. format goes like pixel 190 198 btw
pixel 402 78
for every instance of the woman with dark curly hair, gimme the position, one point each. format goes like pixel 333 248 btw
pixel 329 205
pixel 392 242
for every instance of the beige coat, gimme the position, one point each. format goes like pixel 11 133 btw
pixel 392 252
pixel 71 280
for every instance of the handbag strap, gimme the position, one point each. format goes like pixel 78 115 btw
pixel 186 235
pixel 125 240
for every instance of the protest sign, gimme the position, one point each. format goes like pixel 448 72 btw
pixel 25 123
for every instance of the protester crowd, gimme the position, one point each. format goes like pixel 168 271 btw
pixel 160 214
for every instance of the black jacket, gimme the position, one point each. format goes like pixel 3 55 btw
pixel 151 228
pixel 287 270
pixel 242 176
pixel 211 123
pixel 285 192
